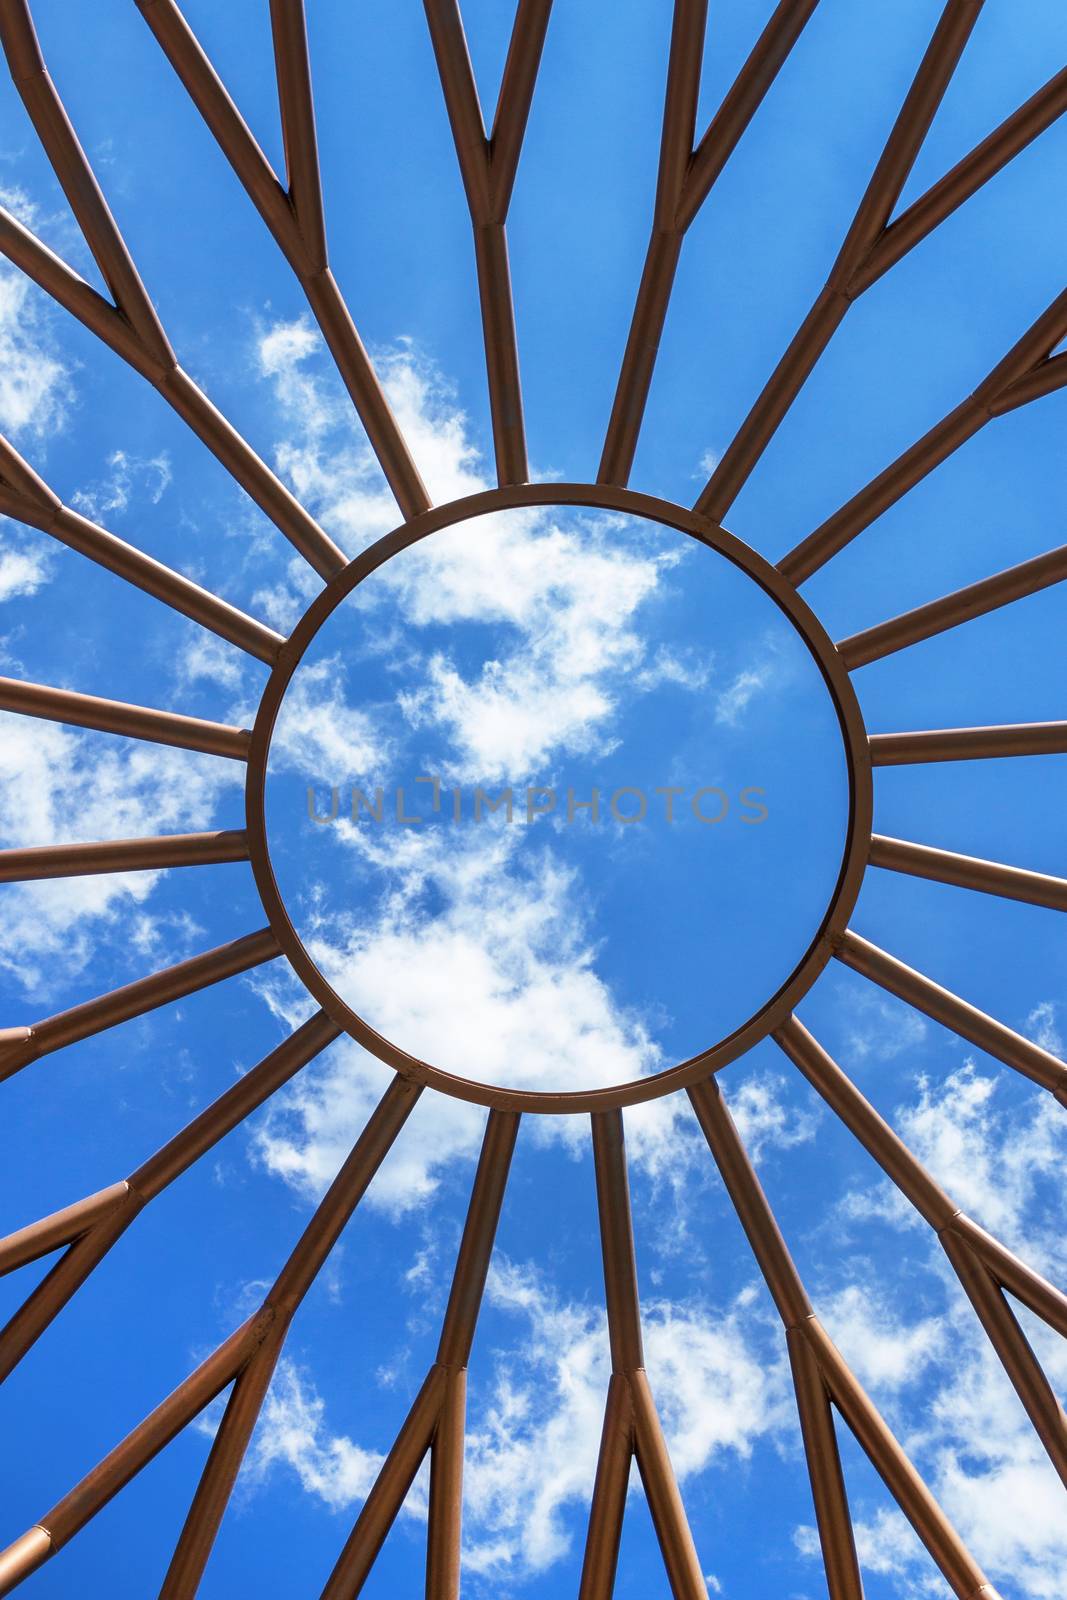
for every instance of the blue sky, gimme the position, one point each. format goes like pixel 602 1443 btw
pixel 549 944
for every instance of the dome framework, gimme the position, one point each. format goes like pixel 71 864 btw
pixel 292 210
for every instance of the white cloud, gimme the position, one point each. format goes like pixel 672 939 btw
pixel 1000 1156
pixel 35 388
pixel 319 733
pixel 764 1120
pixel 877 1027
pixel 24 567
pixel 1042 1026
pixel 717 1391
pixel 129 477
pixel 56 786
pixel 566 595
pixel 498 985
pixel 886 1351
pixel 991 1156
pixel 291 1430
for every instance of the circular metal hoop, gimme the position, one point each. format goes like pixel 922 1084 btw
pixel 855 854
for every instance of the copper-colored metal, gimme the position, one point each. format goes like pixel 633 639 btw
pixel 295 217
pixel 980 1272
pixel 686 177
pixel 134 999
pixel 488 167
pixel 911 1177
pixel 85 1252
pixel 123 855
pixel 1012 1347
pixel 961 606
pixel 436 1420
pixel 968 872
pixel 390 1490
pixel 823 1459
pixel 608 1506
pixel 40 1238
pixel 952 1012
pixel 115 716
pixel 959 1568
pixel 856 843
pixel 445 1522
pixel 873 244
pixel 254 1346
pixel 130 326
pixel 966 178
pixel 631 1424
pixel 28 498
pixel 1024 374
pixel 91 1226
pixel 969 744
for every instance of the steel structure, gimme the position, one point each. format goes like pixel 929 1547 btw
pixel 127 322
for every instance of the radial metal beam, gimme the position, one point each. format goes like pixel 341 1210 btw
pixel 250 1353
pixel 122 855
pixel 131 326
pixel 437 1418
pixel 28 498
pixel 488 167
pixel 294 217
pixel 810 1344
pixel 1025 373
pixel 976 600
pixel 135 999
pixel 115 716
pixel 969 744
pixel 873 244
pixel 969 872
pixel 965 179
pixel 964 1243
pixel 91 1226
pixel 952 1012
pixel 631 1423
pixel 686 177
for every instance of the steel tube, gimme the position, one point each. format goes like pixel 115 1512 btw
pixel 750 1203
pixel 122 855
pixel 617 1241
pixel 390 1488
pixel 664 1501
pixel 1013 1350
pixel 476 1245
pixel 966 178
pixel 445 1523
pixel 287 221
pixel 686 177
pixel 976 600
pixel 836 1538
pixel 969 744
pixel 292 67
pixel 41 1238
pixel 969 872
pixel 217 1480
pixel 115 716
pixel 864 1122
pixel 993 394
pixel 230 1109
pixel 890 174
pixel 608 1505
pixel 63 1279
pixel 952 1012
pixel 959 1568
pixel 134 999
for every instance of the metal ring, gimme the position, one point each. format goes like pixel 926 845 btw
pixel 777 1008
